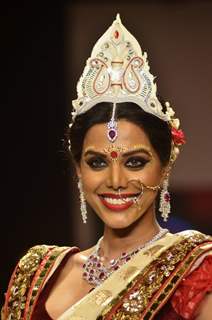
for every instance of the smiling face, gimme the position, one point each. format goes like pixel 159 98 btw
pixel 110 174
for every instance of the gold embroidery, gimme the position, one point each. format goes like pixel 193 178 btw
pixel 130 272
pixel 19 291
pixel 151 251
pixel 26 268
pixel 102 297
pixel 139 292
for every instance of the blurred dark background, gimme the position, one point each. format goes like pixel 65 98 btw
pixel 44 50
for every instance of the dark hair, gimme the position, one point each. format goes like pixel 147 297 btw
pixel 157 130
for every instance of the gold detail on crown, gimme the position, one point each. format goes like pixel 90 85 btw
pixel 118 71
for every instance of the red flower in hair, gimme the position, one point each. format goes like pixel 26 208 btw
pixel 178 136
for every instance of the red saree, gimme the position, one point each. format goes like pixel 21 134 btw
pixel 173 291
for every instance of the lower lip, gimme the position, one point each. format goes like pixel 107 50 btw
pixel 116 207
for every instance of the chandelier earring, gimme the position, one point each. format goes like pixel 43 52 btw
pixel 83 208
pixel 165 206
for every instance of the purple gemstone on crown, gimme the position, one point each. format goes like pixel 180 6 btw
pixel 112 134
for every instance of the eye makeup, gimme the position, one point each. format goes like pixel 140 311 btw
pixel 98 159
pixel 136 162
pixel 96 162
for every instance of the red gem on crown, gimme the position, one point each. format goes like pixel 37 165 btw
pixel 116 34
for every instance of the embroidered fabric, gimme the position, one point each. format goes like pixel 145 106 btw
pixel 182 305
pixel 40 311
pixel 193 289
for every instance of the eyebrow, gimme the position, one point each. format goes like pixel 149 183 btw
pixel 141 150
pixel 124 154
pixel 93 152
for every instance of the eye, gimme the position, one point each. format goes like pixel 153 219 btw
pixel 96 163
pixel 136 162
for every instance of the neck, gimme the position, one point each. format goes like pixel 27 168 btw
pixel 117 241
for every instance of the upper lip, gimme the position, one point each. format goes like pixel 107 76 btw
pixel 118 196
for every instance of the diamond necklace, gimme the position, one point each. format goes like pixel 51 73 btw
pixel 95 272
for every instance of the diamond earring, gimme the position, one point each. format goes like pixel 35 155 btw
pixel 82 202
pixel 165 205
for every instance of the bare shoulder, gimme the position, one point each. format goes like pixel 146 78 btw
pixel 80 257
pixel 74 263
pixel 70 276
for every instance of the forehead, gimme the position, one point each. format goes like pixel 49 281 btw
pixel 128 134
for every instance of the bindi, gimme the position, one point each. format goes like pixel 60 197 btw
pixel 115 151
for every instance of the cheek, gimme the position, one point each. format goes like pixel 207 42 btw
pixel 92 180
pixel 150 175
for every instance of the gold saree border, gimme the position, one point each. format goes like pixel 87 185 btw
pixel 151 289
pixel 36 267
pixel 28 280
pixel 104 299
pixel 167 290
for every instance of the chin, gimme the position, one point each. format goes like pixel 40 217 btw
pixel 119 220
pixel 117 225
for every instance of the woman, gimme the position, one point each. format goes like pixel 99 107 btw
pixel 124 142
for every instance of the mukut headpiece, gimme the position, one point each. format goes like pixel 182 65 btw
pixel 118 71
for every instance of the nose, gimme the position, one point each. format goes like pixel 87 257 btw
pixel 116 177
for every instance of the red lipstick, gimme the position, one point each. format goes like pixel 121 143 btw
pixel 117 206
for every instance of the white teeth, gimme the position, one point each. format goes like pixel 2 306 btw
pixel 119 201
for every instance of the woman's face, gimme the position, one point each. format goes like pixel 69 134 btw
pixel 110 174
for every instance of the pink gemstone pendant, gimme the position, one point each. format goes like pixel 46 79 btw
pixel 167 197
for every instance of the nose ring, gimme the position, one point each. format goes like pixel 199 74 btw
pixel 135 199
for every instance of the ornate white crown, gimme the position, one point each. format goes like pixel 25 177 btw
pixel 118 71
